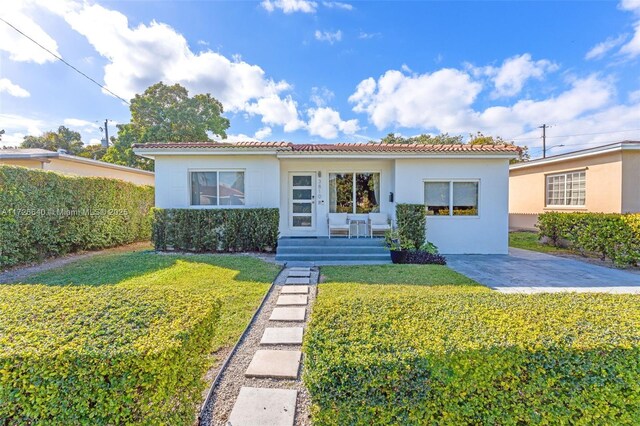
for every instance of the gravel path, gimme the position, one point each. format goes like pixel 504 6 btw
pixel 228 388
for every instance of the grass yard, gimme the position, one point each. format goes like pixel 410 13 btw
pixel 410 353
pixel 530 241
pixel 122 338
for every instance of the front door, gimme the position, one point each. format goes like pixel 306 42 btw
pixel 302 201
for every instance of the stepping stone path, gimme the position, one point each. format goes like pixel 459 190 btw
pixel 256 406
pixel 274 406
pixel 292 299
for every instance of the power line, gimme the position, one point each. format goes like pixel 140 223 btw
pixel 66 63
pixel 577 134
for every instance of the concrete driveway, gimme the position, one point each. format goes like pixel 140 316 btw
pixel 524 271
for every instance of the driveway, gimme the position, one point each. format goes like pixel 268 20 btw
pixel 524 271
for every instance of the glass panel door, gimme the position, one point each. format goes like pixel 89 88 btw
pixel 302 200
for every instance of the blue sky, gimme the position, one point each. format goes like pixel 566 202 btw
pixel 314 71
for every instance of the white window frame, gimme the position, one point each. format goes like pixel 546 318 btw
pixel 451 182
pixel 565 205
pixel 217 171
pixel 353 187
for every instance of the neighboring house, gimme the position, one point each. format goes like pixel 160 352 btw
pixel 43 159
pixel 464 187
pixel 605 179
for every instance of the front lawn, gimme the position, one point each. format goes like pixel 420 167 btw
pixel 431 275
pixel 122 338
pixel 452 354
pixel 530 241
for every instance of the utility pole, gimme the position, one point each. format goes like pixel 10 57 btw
pixel 106 131
pixel 544 140
pixel 105 141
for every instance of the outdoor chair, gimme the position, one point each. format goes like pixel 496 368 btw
pixel 378 222
pixel 338 223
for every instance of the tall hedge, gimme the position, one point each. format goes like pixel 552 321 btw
pixel 46 214
pixel 412 225
pixel 612 236
pixel 216 230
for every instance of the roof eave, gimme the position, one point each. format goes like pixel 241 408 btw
pixel 589 152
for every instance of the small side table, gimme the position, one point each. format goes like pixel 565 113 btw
pixel 359 222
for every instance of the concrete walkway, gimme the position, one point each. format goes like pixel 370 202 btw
pixel 524 271
pixel 277 406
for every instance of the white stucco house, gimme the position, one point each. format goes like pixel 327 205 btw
pixel 463 187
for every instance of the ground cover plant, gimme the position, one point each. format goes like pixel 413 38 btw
pixel 122 338
pixel 451 354
pixel 531 241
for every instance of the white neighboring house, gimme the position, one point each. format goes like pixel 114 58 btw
pixel 465 188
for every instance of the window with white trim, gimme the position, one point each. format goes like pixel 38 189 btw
pixel 451 198
pixel 217 188
pixel 566 189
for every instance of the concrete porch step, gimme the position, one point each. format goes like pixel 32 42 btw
pixel 293 241
pixel 331 249
pixel 333 257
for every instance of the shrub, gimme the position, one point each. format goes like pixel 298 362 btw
pixel 412 226
pixel 103 355
pixel 424 258
pixel 46 214
pixel 387 354
pixel 212 230
pixel 613 236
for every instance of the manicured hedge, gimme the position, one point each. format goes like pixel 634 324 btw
pixel 46 214
pixel 216 230
pixel 388 354
pixel 412 226
pixel 612 236
pixel 105 355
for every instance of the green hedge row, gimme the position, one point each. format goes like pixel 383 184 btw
pixel 384 354
pixel 103 355
pixel 46 214
pixel 412 225
pixel 216 230
pixel 612 236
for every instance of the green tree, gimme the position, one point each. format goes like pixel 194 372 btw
pixel 95 152
pixel 166 114
pixel 64 138
pixel 481 139
pixel 442 139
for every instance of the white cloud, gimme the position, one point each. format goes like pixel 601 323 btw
pixel 632 47
pixel 367 36
pixel 337 5
pixel 148 53
pixel 263 133
pixel 328 36
pixel 514 72
pixel 290 6
pixel 79 124
pixel 321 96
pixel 444 101
pixel 17 127
pixel 13 89
pixel 277 111
pixel 424 101
pixel 20 48
pixel 326 123
pixel 235 137
pixel 601 49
